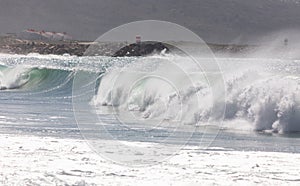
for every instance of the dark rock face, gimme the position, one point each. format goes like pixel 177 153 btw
pixel 141 49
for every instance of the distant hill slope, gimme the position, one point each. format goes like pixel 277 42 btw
pixel 217 21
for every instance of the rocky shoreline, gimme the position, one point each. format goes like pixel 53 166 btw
pixel 13 45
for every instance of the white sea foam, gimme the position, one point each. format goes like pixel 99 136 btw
pixel 12 78
pixel 28 160
pixel 261 94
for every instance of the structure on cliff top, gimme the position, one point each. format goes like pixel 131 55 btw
pixel 31 34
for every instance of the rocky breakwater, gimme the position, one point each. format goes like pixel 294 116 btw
pixel 47 48
pixel 13 45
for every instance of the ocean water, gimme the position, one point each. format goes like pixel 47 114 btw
pixel 157 99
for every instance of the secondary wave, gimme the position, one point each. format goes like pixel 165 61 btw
pixel 32 79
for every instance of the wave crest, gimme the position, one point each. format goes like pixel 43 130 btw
pixel 264 101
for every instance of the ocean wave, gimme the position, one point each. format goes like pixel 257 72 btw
pixel 259 99
pixel 270 104
pixel 32 78
pixel 261 95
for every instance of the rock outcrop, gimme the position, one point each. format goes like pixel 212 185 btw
pixel 141 49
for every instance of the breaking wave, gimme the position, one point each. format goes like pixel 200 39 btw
pixel 268 104
pixel 26 78
pixel 261 94
pixel 259 97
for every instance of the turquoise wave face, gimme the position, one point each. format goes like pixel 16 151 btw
pixel 32 79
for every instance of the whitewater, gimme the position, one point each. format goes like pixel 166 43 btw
pixel 158 103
